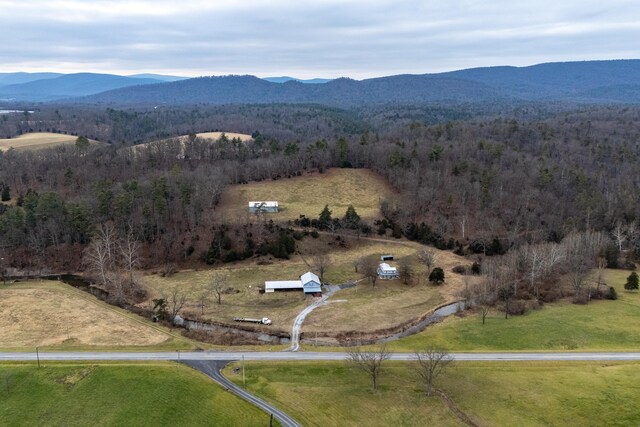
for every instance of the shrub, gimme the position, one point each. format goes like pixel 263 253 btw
pixel 459 269
pixel 315 234
pixel 612 294
pixel 436 276
pixel 475 268
pixel 632 282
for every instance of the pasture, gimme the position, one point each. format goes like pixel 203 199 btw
pixel 601 325
pixel 53 315
pixel 308 194
pixel 491 394
pixel 389 303
pixel 117 394
pixel 37 141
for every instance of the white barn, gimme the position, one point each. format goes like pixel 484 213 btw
pixel 385 271
pixel 309 283
pixel 263 206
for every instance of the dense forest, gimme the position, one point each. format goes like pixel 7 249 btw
pixel 464 178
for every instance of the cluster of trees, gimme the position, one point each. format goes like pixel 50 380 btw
pixel 325 221
pixel 488 184
pixel 429 364
pixel 529 274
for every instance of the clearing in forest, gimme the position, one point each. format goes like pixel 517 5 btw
pixel 308 194
pixel 37 141
pixel 53 314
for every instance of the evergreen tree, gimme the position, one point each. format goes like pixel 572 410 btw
pixel 324 220
pixel 351 218
pixel 6 194
pixel 632 282
pixel 436 276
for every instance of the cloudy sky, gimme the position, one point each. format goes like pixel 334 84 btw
pixel 319 38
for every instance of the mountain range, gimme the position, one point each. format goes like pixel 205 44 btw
pixel 585 82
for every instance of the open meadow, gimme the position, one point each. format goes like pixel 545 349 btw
pixel 601 325
pixel 363 308
pixel 38 141
pixel 490 394
pixel 308 194
pixel 117 394
pixel 53 315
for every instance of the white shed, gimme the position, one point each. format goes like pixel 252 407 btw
pixel 263 206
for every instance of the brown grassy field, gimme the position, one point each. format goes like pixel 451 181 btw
pixel 308 194
pixel 217 135
pixel 52 314
pixel 389 303
pixel 213 136
pixel 37 141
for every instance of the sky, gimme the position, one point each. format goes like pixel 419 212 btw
pixel 305 39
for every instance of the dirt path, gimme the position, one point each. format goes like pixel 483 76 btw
pixel 297 323
pixel 464 418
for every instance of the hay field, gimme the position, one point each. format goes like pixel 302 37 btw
pixel 49 313
pixel 308 194
pixel 37 141
pixel 216 135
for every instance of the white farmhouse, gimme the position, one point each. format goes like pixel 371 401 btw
pixel 385 271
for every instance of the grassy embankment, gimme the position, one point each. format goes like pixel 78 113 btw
pixel 492 394
pixel 117 394
pixel 38 140
pixel 599 326
pixel 54 316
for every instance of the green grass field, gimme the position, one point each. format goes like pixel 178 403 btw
pixel 492 394
pixel 600 325
pixel 151 394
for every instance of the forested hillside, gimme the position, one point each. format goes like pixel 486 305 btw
pixel 586 82
pixel 480 181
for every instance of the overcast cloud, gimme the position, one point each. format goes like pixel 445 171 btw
pixel 324 38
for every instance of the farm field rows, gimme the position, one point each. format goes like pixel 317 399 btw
pixel 126 394
pixel 491 394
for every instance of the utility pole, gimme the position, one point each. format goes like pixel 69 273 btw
pixel 38 356
pixel 244 383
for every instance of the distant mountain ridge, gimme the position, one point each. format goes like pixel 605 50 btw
pixel 600 82
pixel 285 79
pixel 69 85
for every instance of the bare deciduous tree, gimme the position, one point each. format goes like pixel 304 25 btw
pixel 428 257
pixel 217 284
pixel 405 270
pixel 369 362
pixel 320 263
pixel 431 363
pixel 369 268
pixel 175 300
pixel 129 249
pixel 99 255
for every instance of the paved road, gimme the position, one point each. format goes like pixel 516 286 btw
pixel 309 356
pixel 211 368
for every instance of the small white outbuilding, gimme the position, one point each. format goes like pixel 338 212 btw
pixel 263 206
